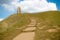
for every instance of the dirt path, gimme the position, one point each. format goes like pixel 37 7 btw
pixel 27 35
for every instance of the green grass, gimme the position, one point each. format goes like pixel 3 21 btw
pixel 48 19
pixel 13 22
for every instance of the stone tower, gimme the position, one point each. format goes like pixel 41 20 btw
pixel 18 10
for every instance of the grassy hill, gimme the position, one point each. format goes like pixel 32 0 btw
pixel 9 26
pixel 49 26
pixel 45 21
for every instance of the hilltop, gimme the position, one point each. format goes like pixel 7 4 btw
pixel 44 21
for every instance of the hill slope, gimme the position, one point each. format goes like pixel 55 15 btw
pixel 48 27
pixel 46 21
pixel 9 25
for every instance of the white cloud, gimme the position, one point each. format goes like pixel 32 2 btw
pixel 9 7
pixel 31 5
pixel 1 19
pixel 37 6
pixel 52 6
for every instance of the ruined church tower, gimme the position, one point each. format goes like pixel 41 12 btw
pixel 18 10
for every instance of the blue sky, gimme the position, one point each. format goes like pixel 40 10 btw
pixel 8 7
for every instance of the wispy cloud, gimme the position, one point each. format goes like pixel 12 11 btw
pixel 30 5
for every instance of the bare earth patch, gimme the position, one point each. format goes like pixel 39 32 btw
pixel 25 36
pixel 52 30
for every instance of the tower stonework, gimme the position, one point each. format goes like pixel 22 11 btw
pixel 18 10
